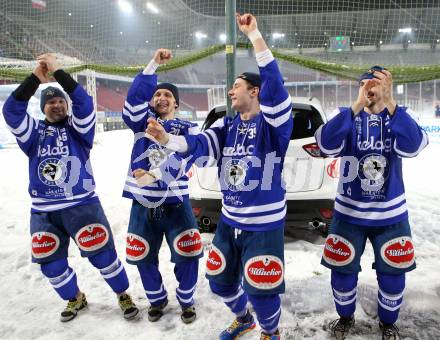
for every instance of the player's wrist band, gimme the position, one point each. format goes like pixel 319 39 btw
pixel 254 35
pixel 264 57
pixel 150 68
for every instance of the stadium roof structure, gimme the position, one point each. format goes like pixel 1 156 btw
pixel 308 23
pixel 103 32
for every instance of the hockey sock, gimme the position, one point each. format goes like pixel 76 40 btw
pixel 390 296
pixel 186 274
pixel 111 270
pixel 268 310
pixel 62 278
pixel 152 282
pixel 344 292
pixel 232 295
pixel 245 316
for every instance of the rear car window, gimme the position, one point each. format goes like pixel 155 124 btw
pixel 305 122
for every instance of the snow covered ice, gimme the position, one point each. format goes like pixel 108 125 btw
pixel 30 308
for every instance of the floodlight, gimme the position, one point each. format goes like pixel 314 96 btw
pixel 277 35
pixel 405 30
pixel 200 35
pixel 125 6
pixel 152 8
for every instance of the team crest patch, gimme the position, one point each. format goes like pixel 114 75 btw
pixel 137 247
pixel 52 171
pixel 44 244
pixel 216 262
pixel 398 252
pixel 92 237
pixel 373 171
pixel 156 155
pixel 338 251
pixel 188 243
pixel 264 272
pixel 235 174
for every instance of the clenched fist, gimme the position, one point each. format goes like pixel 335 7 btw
pixel 246 22
pixel 162 56
pixel 156 132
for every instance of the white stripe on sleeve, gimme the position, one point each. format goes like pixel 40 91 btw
pixel 271 110
pixel 422 145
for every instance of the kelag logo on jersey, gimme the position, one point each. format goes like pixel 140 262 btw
pixel 92 237
pixel 398 252
pixel 238 150
pixel 49 150
pixel 188 243
pixel 373 171
pixel 44 244
pixel 137 247
pixel 235 174
pixel 52 171
pixel 264 272
pixel 374 145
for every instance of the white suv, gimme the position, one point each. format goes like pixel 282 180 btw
pixel 311 179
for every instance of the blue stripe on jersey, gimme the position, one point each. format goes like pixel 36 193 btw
pixel 375 206
pixel 254 214
pixel 54 206
pixel 45 201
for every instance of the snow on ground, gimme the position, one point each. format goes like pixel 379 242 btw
pixel 30 308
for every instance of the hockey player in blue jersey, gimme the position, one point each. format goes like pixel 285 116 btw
pixel 246 261
pixel 64 203
pixel 372 137
pixel 160 208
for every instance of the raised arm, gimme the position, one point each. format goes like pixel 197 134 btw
pixel 409 137
pixel 19 122
pixel 332 136
pixel 83 118
pixel 135 111
pixel 275 101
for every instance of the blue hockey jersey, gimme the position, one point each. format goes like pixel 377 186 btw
pixel 60 173
pixel 148 155
pixel 250 156
pixel 371 190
